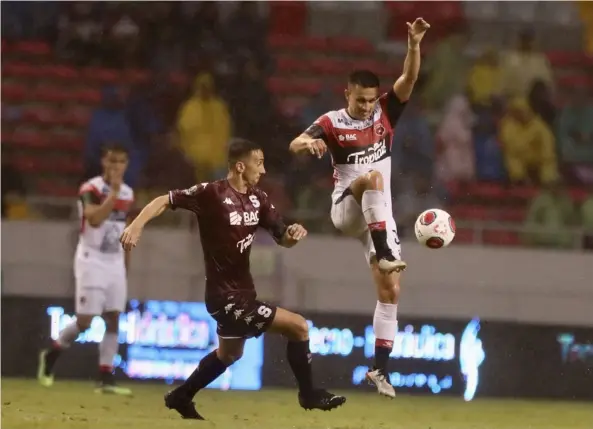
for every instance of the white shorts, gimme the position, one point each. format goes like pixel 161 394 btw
pixel 347 216
pixel 101 286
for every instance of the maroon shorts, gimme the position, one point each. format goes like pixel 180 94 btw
pixel 238 316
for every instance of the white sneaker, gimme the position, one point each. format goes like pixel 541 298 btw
pixel 389 265
pixel 382 383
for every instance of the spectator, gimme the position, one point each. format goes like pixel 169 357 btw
pixel 415 195
pixel 550 215
pixel 528 145
pixel 108 124
pixel 484 79
pixel 540 101
pixel 413 145
pixel 455 158
pixel 575 135
pixel 122 38
pixel 446 69
pixel 522 67
pixel 80 34
pixel 489 160
pixel 204 129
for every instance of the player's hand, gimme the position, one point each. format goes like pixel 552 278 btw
pixel 296 232
pixel 115 180
pixel 416 30
pixel 130 237
pixel 317 147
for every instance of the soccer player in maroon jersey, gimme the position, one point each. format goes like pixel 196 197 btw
pixel 359 141
pixel 229 212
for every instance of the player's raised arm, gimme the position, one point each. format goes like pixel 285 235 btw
pixel 404 85
pixel 132 233
pixel 95 211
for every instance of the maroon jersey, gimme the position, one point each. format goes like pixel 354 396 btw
pixel 228 221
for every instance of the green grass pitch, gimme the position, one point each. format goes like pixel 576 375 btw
pixel 70 405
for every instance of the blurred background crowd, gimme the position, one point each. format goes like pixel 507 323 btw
pixel 499 131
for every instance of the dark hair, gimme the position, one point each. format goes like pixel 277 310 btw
pixel 114 147
pixel 364 78
pixel 240 148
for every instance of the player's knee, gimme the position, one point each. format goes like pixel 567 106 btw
pixel 111 322
pixel 83 321
pixel 229 357
pixel 300 329
pixel 374 181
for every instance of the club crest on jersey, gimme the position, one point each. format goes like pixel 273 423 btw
pixel 254 201
pixel 379 130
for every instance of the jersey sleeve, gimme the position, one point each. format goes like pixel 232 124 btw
pixel 320 129
pixel 192 199
pixel 88 194
pixel 392 107
pixel 270 219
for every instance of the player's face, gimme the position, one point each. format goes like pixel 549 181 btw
pixel 115 163
pixel 361 101
pixel 253 167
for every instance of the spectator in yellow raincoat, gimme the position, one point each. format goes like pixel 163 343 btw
pixel 204 129
pixel 528 145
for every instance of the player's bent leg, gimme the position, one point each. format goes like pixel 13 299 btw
pixel 368 190
pixel 108 348
pixel 295 328
pixel 210 368
pixel 48 357
pixel 385 328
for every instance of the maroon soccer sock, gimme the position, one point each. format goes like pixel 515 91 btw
pixel 299 359
pixel 209 369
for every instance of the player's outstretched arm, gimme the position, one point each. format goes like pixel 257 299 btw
pixel 132 233
pixel 404 85
pixel 307 144
pixel 293 234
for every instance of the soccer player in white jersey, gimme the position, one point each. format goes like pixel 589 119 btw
pixel 100 266
pixel 359 141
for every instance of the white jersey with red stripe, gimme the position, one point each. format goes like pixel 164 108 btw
pixel 103 241
pixel 359 146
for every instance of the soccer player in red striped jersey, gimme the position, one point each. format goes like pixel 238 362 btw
pixel 358 138
pixel 100 267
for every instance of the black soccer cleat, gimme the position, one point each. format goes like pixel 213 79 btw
pixel 183 405
pixel 320 399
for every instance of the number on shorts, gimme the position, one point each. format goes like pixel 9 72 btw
pixel 264 311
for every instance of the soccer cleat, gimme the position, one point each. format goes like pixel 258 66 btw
pixel 44 376
pixel 388 264
pixel 113 389
pixel 381 381
pixel 182 404
pixel 320 399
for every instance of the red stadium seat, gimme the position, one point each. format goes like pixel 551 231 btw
pixel 14 92
pixel 287 18
pixel 21 70
pixel 136 76
pixel 328 66
pixel 101 75
pixel 36 48
pixel 512 214
pixel 523 192
pixel 351 45
pixel 50 94
pixel 289 64
pixel 464 235
pixel 56 189
pixel 470 212
pixel 486 190
pixel 86 96
pixel 501 238
pixel 60 72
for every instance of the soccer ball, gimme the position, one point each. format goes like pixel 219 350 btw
pixel 435 228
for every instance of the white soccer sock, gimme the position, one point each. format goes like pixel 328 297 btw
pixel 374 209
pixel 108 349
pixel 68 335
pixel 385 324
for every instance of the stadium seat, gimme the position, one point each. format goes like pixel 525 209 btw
pixel 287 18
pixel 33 48
pixel 48 93
pixel 134 76
pixel 60 72
pixel 351 45
pixel 101 75
pixel 21 70
pixel 14 92
pixel 86 96
pixel 500 238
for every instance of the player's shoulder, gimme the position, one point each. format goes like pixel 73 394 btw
pixel 94 185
